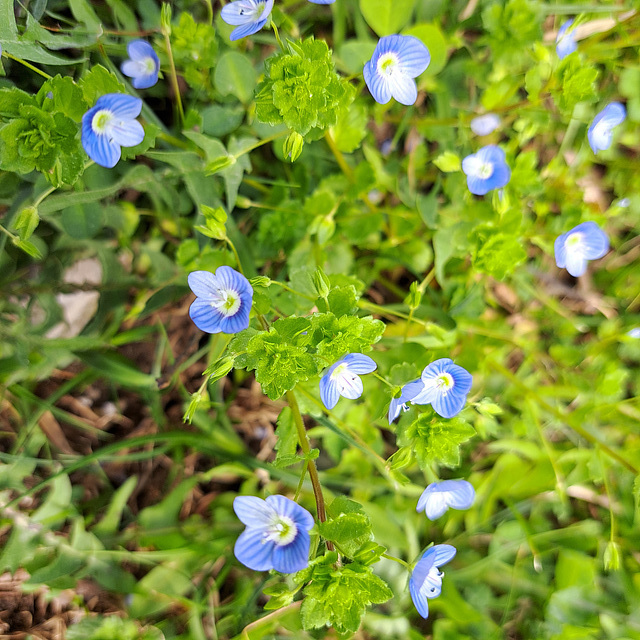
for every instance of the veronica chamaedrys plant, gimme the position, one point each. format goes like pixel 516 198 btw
pixel 485 124
pixel 408 392
pixel 249 16
pixel 343 379
pixel 446 386
pixel 390 73
pixel 426 579
pixel 600 133
pixel 439 496
pixel 486 170
pixel 142 66
pixel 223 300
pixel 566 40
pixel 576 247
pixel 109 125
pixel 277 534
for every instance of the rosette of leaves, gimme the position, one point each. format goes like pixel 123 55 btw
pixel 302 89
pixel 35 137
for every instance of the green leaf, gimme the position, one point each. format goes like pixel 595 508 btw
pixel 302 89
pixel 287 435
pixel 97 82
pixel 235 76
pixel 349 527
pixel 351 128
pixel 338 596
pixel 118 369
pixel 495 253
pixel 27 221
pixel 436 440
pixel 64 95
pixel 387 17
pixel 578 83
pixel 82 221
pixel 448 162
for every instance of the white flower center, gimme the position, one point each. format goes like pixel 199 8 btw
pixel 102 121
pixel 282 531
pixel 484 170
pixel 574 243
pixel 445 382
pixel 339 371
pixel 387 64
pixel 149 65
pixel 227 303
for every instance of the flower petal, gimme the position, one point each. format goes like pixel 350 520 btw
pixel 403 88
pixel 205 317
pixel 349 385
pixel 359 363
pixel 254 551
pixel 294 556
pixel 127 133
pixel 329 391
pixel 286 507
pixel 123 106
pixel 377 85
pixel 253 511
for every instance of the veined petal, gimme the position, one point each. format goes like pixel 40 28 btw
pixel 235 323
pixel 460 493
pixel 99 148
pixel 420 602
pixel 203 283
pixel 403 88
pixel 435 506
pixel 253 550
pixel 349 385
pixel 123 106
pixel 253 511
pixel 443 554
pixel 449 404
pixel 294 556
pixel 377 85
pixel 359 363
pixel 286 507
pixel 204 316
pixel 414 55
pixel 247 30
pixel 329 391
pixel 240 12
pixel 127 133
pixel 595 242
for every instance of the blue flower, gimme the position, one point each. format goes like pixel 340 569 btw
pixel 408 392
pixel 426 580
pixel 566 40
pixel 574 248
pixel 109 125
pixel 390 73
pixel 446 386
pixel 342 379
pixel 277 534
pixel 143 64
pixel 600 132
pixel 223 300
pixel 634 333
pixel 486 170
pixel 248 15
pixel 322 1
pixel 439 496
pixel 485 124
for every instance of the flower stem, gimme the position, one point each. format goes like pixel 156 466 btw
pixel 28 65
pixel 306 448
pixel 402 562
pixel 277 34
pixel 174 78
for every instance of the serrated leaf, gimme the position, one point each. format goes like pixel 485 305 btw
pixel 435 440
pixel 97 82
pixel 348 530
pixel 448 162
